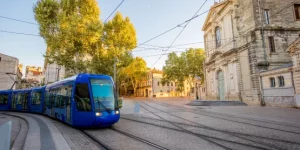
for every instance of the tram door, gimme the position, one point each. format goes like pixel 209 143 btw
pixel 25 101
pixel 68 104
pixel 14 99
pixel 53 100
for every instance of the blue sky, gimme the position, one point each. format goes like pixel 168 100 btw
pixel 150 18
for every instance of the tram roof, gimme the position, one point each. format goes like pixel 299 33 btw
pixel 80 77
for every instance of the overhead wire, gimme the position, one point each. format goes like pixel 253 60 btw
pixel 8 18
pixel 179 25
pixel 114 10
pixel 187 23
pixel 4 31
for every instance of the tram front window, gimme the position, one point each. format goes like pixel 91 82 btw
pixel 103 94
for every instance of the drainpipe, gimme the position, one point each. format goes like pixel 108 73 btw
pixel 293 83
pixel 262 33
pixel 262 92
pixel 265 54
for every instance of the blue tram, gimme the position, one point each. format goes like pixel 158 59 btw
pixel 20 100
pixel 84 100
pixel 37 99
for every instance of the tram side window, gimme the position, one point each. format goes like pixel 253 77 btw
pixel 3 99
pixel 36 98
pixel 82 97
pixel 63 96
pixel 60 95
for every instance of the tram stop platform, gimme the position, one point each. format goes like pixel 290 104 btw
pixel 33 131
pixel 215 103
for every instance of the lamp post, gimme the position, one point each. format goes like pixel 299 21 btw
pixel 199 91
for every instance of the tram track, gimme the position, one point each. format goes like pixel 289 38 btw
pixel 201 127
pixel 90 134
pixel 139 139
pixel 219 116
pixel 202 135
pixel 205 113
pixel 187 131
pixel 96 140
pixel 274 146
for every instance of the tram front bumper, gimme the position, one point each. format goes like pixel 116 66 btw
pixel 107 118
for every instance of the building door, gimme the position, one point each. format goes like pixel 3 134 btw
pixel 146 92
pixel 221 86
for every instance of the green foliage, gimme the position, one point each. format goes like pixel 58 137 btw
pixel 119 35
pixel 134 72
pixel 184 67
pixel 77 40
pixel 72 31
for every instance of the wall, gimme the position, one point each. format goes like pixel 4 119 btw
pixel 278 96
pixel 51 71
pixel 8 64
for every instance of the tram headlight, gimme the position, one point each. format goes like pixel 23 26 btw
pixel 98 114
pixel 117 112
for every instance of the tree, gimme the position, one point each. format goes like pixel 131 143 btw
pixel 72 30
pixel 135 72
pixel 119 35
pixel 118 40
pixel 184 67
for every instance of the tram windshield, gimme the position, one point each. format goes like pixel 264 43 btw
pixel 103 94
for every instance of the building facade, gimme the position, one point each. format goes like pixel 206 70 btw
pixel 34 75
pixel 243 38
pixel 10 73
pixel 277 86
pixel 53 73
pixel 152 86
pixel 294 50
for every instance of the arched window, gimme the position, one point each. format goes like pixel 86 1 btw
pixel 218 36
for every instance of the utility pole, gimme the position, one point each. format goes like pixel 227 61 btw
pixel 58 69
pixel 115 75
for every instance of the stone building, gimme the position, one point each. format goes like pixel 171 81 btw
pixel 152 86
pixel 277 86
pixel 53 72
pixel 10 73
pixel 243 38
pixel 294 50
pixel 34 75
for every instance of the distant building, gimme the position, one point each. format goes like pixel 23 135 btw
pixel 34 75
pixel 152 86
pixel 53 73
pixel 10 73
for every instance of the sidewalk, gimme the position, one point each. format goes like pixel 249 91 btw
pixel 33 131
